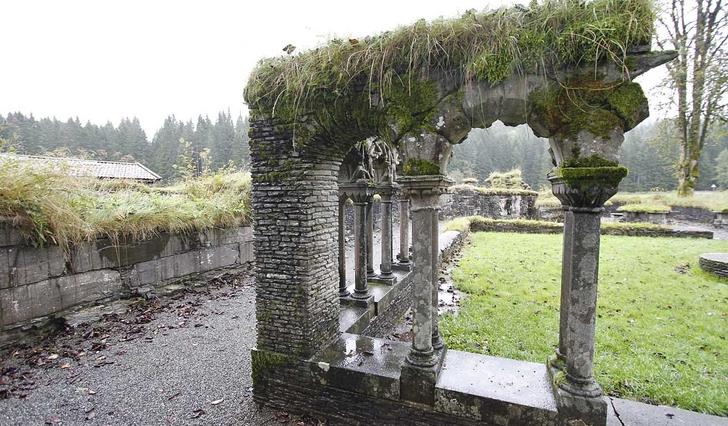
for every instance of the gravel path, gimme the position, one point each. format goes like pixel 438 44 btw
pixel 185 360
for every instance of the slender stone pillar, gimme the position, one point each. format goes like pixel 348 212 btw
pixel 424 361
pixel 343 292
pixel 385 267
pixel 437 341
pixel 582 196
pixel 404 210
pixel 360 193
pixel 370 238
pixel 583 266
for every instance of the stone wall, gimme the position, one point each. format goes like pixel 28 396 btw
pixel 471 202
pixel 39 283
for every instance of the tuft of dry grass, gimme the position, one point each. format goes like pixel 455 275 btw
pixel 49 207
pixel 485 46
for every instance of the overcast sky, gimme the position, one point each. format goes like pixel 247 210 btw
pixel 105 60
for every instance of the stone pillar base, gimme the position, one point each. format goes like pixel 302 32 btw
pixel 574 403
pixel 417 383
pixel 352 300
pixel 402 266
pixel 380 279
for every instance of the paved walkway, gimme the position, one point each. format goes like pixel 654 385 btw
pixel 186 361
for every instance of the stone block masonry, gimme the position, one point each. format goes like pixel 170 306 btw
pixel 39 283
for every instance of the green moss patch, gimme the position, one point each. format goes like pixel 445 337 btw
pixel 344 81
pixel 588 175
pixel 419 167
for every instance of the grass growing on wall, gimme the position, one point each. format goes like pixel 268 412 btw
pixel 709 200
pixel 49 207
pixel 662 322
pixel 487 46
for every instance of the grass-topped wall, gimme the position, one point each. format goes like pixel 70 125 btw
pixel 49 207
pixel 390 84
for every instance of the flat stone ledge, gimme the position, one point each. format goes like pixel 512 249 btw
pixel 516 382
pixel 716 263
pixel 363 364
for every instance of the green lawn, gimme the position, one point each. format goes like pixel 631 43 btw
pixel 662 325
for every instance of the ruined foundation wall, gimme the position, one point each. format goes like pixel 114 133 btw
pixel 37 283
pixel 473 203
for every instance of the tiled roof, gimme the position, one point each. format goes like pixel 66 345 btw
pixel 91 168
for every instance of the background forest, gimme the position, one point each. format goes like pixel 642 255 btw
pixel 650 151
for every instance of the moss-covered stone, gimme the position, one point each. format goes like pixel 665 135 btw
pixel 263 362
pixel 605 175
pixel 587 103
pixel 629 102
pixel 419 167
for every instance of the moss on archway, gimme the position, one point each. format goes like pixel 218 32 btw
pixel 392 82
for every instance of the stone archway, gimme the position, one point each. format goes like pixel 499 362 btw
pixel 298 145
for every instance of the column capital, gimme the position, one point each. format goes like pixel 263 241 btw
pixel 387 191
pixel 585 189
pixel 360 191
pixel 424 191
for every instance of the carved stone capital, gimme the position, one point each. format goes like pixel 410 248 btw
pixel 424 191
pixel 585 188
pixel 360 191
pixel 387 191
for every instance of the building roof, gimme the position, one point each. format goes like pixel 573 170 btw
pixel 91 168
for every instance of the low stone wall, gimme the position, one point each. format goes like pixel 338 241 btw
pixel 37 284
pixel 541 227
pixel 690 214
pixel 471 202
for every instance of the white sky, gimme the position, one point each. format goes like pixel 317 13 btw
pixel 105 60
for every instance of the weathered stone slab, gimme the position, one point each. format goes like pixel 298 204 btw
pixel 20 265
pixel 363 364
pixel 8 235
pixel 247 255
pixel 104 253
pixel 495 390
pixel 716 263
pixel 57 294
pixel 180 265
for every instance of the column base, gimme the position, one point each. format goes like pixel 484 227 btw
pixel 383 279
pixel 353 300
pixel 582 402
pixel 344 293
pixel 402 266
pixel 417 382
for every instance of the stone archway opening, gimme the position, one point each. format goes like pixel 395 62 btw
pixel 354 118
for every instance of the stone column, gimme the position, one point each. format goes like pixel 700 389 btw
pixel 361 194
pixel 385 268
pixel 343 292
pixel 370 238
pixel 582 192
pixel 437 341
pixel 404 208
pixel 423 361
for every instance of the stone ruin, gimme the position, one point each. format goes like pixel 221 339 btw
pixel 311 358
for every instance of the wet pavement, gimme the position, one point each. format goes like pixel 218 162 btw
pixel 184 360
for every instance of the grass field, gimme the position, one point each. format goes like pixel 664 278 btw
pixel 662 325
